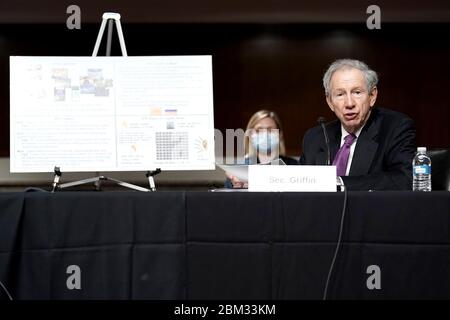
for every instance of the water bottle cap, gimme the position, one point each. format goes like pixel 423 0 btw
pixel 421 149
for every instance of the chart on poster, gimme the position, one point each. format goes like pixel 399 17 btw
pixel 111 113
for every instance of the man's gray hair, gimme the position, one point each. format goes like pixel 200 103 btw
pixel 370 75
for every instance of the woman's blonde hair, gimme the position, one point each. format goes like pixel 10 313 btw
pixel 250 151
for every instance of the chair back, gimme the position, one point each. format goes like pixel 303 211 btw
pixel 440 169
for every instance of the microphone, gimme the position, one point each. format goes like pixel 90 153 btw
pixel 321 121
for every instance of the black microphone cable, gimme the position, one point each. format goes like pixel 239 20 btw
pixel 6 290
pixel 321 121
pixel 338 245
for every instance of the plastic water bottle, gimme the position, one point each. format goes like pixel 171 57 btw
pixel 421 170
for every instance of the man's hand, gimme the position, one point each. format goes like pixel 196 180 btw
pixel 237 184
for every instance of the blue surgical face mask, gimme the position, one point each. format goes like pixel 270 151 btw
pixel 265 141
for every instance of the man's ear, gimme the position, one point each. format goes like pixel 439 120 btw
pixel 329 103
pixel 373 96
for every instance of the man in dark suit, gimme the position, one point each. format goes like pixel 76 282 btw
pixel 372 148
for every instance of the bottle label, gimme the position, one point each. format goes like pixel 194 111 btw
pixel 423 169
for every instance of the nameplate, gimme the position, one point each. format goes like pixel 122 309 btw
pixel 292 178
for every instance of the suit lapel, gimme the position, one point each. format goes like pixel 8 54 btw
pixel 366 146
pixel 334 134
pixel 321 158
pixel 335 139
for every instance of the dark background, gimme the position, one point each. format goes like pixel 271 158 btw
pixel 266 54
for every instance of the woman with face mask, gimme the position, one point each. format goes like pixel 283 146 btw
pixel 263 143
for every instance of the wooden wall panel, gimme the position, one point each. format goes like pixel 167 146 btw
pixel 273 66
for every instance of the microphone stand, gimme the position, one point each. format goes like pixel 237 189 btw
pixel 321 122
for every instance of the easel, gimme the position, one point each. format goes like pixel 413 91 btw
pixel 110 17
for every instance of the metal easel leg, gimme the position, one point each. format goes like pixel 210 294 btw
pixel 109 37
pixel 111 17
pixel 56 178
pixel 151 180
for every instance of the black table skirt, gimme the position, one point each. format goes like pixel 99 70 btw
pixel 203 245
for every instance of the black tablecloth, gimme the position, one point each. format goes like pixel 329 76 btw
pixel 203 245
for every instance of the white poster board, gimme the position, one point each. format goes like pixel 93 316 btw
pixel 111 113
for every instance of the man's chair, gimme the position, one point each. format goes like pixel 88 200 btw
pixel 440 169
